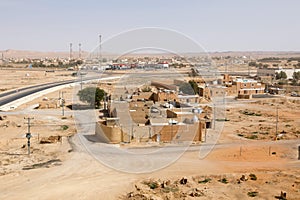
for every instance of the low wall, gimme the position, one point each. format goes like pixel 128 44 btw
pixel 179 133
pixel 167 133
pixel 244 96
pixel 109 134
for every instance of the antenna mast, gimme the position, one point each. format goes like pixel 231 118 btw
pixel 79 51
pixel 71 51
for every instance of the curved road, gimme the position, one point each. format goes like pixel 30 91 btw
pixel 13 95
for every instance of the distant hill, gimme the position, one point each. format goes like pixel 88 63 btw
pixel 11 53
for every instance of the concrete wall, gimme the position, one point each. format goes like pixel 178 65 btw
pixel 163 96
pixel 271 72
pixel 109 134
pixel 290 88
pixel 244 96
pixel 178 133
pixel 204 92
pixel 165 86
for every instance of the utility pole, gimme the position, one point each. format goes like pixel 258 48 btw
pixel 249 66
pixel 149 132
pixel 214 116
pixel 171 124
pixel 63 103
pixel 100 49
pixel 81 80
pixel 28 134
pixel 276 122
pixel 205 130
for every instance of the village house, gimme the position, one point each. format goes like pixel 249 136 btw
pixel 242 87
pixel 148 119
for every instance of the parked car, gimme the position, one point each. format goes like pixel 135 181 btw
pixel 294 94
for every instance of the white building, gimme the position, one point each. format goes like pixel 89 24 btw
pixel 162 65
pixel 272 71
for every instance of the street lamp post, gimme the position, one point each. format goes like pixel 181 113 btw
pixel 276 122
pixel 28 134
pixel 171 124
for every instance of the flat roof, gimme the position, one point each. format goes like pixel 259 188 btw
pixel 245 80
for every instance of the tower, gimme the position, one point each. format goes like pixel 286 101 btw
pixel 100 53
pixel 71 51
pixel 79 50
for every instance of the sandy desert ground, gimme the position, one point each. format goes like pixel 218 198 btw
pixel 17 78
pixel 61 168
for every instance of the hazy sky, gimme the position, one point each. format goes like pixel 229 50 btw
pixel 224 25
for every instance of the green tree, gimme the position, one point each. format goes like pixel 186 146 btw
pixel 252 64
pixel 265 66
pixel 92 95
pixel 280 75
pixel 294 82
pixel 296 76
pixel 79 62
pixel 60 64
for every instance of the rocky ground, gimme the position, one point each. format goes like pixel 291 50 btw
pixel 261 185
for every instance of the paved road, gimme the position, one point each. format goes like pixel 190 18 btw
pixel 17 94
pixel 13 95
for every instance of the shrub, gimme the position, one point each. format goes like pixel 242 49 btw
pixel 252 137
pixel 252 194
pixel 250 113
pixel 64 127
pixel 152 184
pixel 253 177
pixel 205 180
pixel 170 189
pixel 222 120
pixel 223 180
